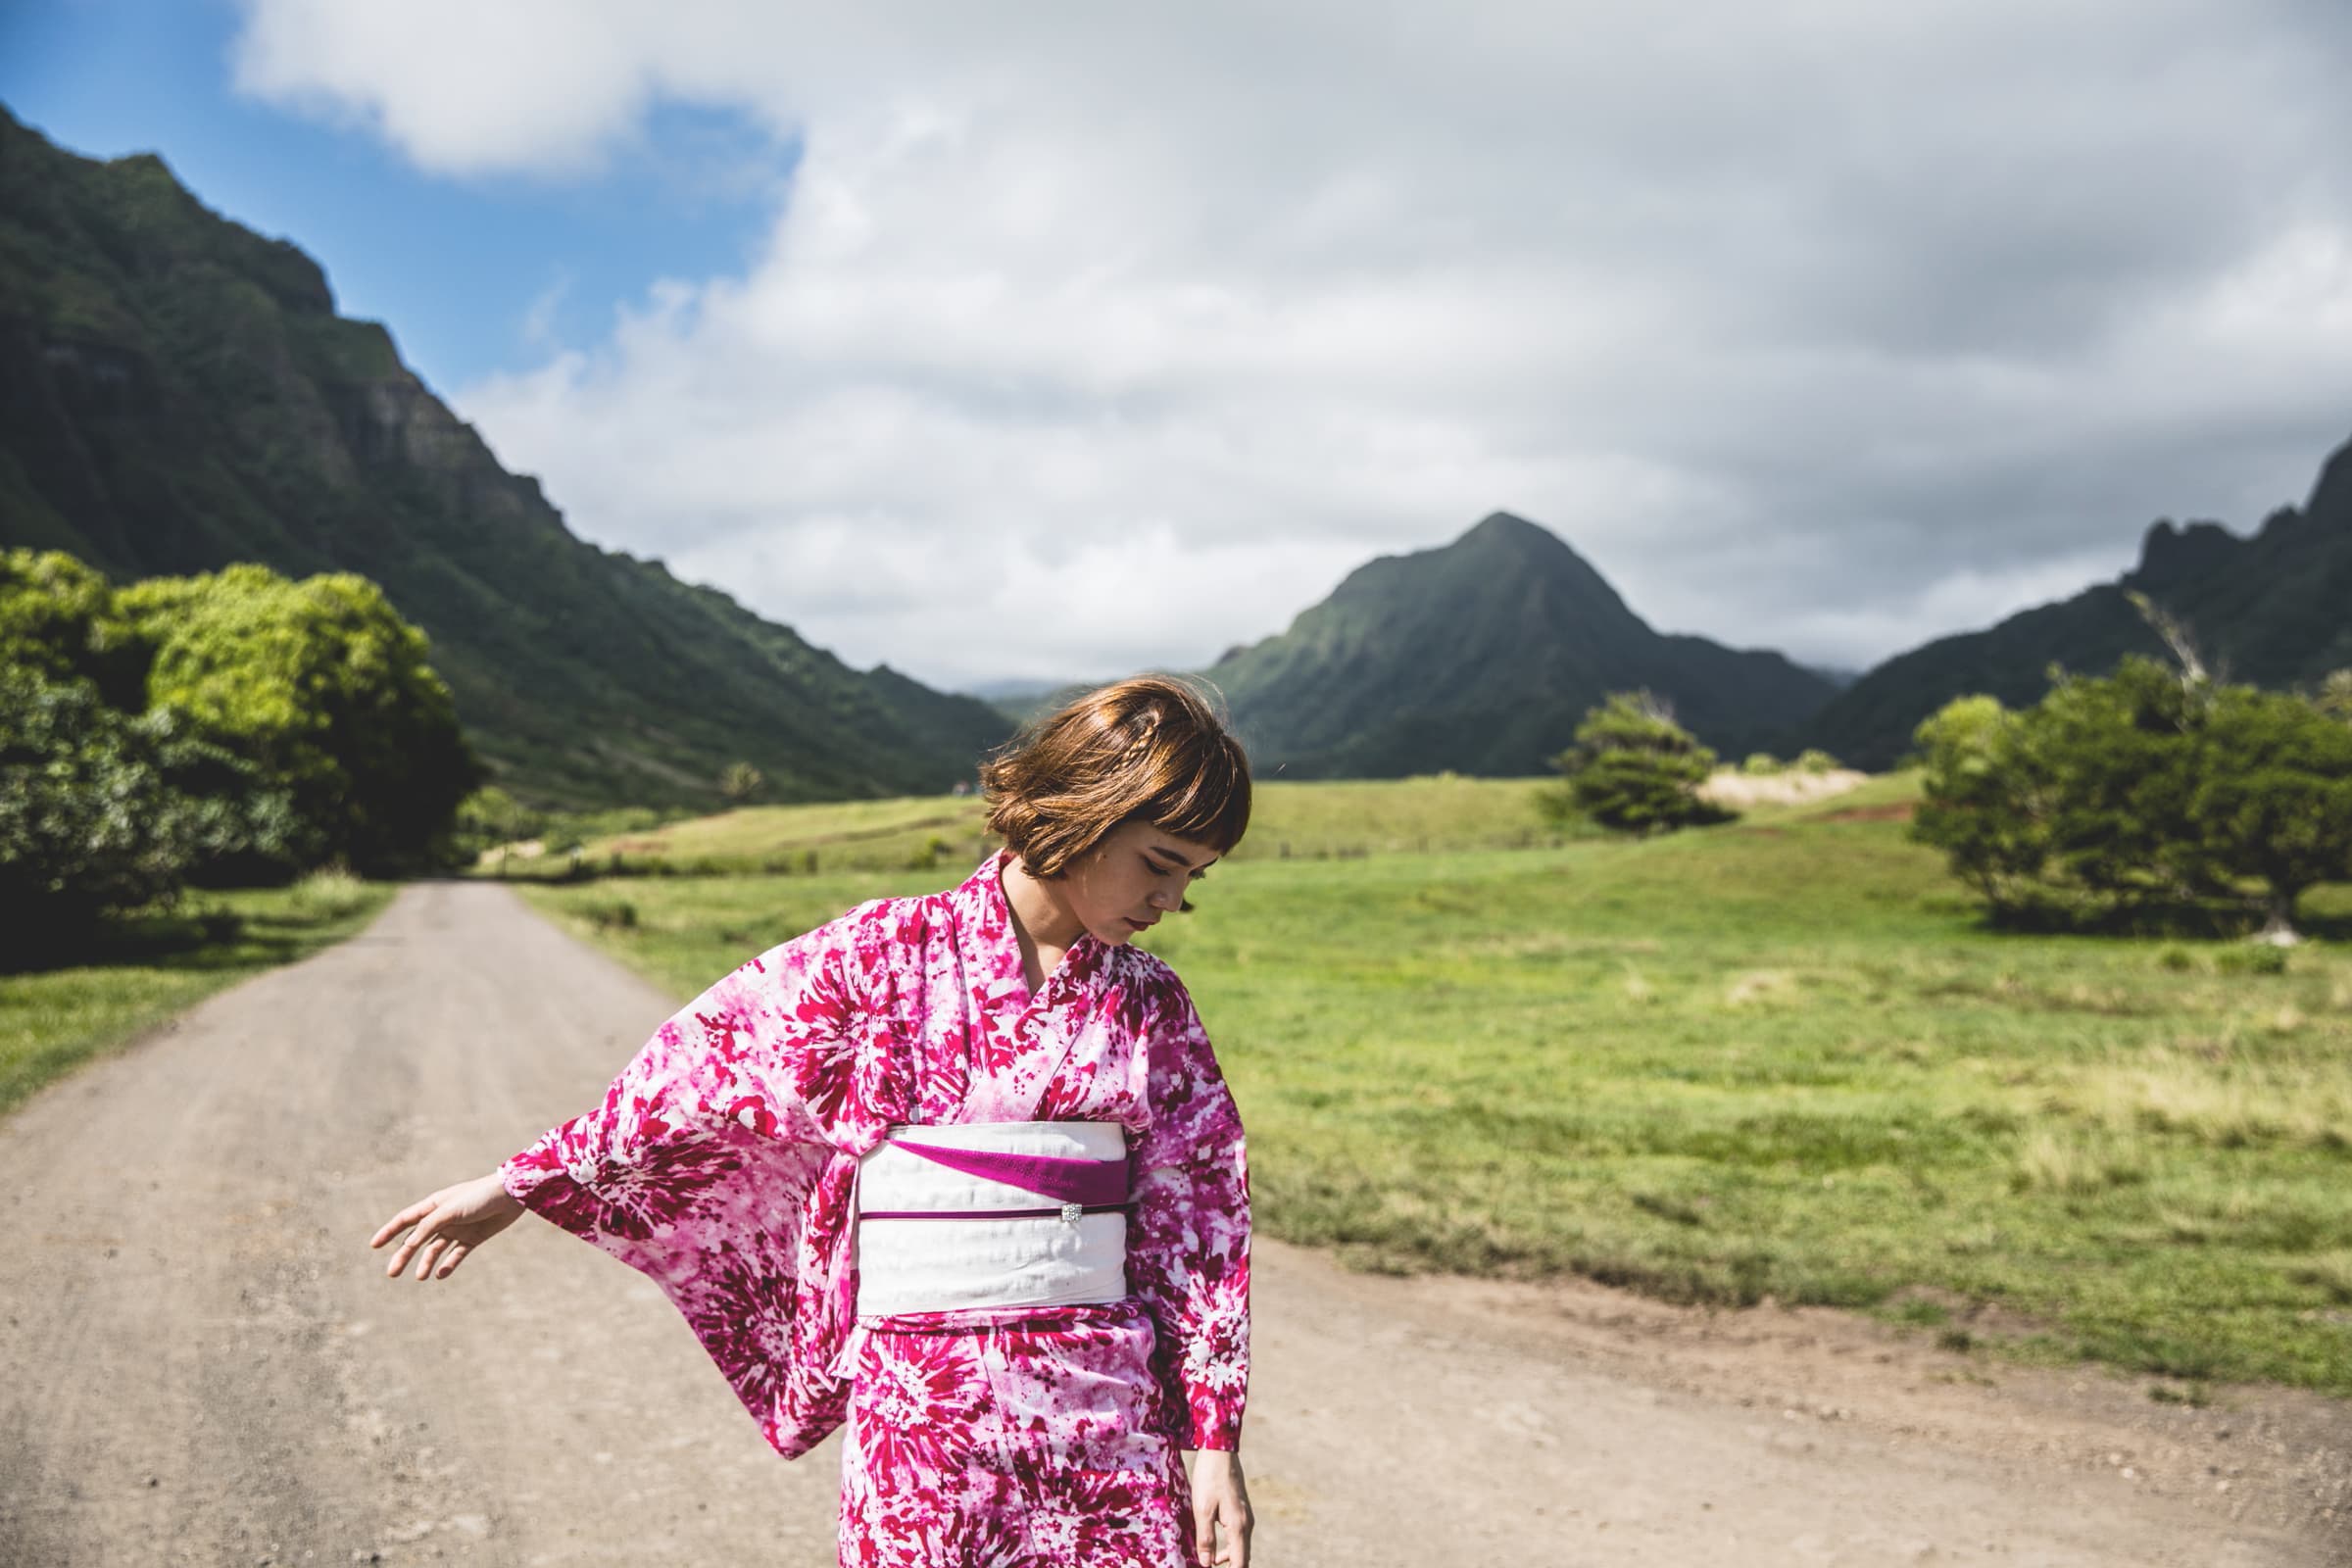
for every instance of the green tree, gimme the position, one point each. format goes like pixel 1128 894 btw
pixel 490 818
pixel 1985 800
pixel 58 617
pixel 2274 802
pixel 326 690
pixel 2079 804
pixel 2123 763
pixel 88 823
pixel 2149 787
pixel 1635 769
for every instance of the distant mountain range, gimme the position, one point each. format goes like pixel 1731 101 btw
pixel 2274 610
pixel 1482 656
pixel 177 393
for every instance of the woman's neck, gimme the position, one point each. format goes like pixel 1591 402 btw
pixel 1039 915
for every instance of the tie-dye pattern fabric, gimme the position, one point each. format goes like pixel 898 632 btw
pixel 721 1163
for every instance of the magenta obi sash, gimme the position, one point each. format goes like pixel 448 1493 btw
pixel 992 1214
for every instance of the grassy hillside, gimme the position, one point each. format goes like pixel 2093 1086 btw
pixel 1307 820
pixel 1778 1057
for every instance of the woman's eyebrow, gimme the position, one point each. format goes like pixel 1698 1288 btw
pixel 1168 853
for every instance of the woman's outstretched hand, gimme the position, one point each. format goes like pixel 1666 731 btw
pixel 1220 1504
pixel 450 1225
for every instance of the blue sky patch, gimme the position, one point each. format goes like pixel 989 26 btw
pixel 473 276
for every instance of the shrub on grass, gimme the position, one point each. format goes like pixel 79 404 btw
pixel 329 895
pixel 2141 791
pixel 2251 958
pixel 88 823
pixel 1634 769
pixel 2273 799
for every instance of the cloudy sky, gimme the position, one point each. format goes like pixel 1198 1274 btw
pixel 1061 340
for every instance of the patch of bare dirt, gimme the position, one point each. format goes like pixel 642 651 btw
pixel 1737 791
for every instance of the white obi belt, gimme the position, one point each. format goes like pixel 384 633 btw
pixel 1017 1213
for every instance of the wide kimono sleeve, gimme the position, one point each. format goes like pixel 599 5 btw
pixel 1188 1252
pixel 707 1168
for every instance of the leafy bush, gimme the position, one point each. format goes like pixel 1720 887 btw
pixel 1761 764
pixel 1635 769
pixel 88 823
pixel 2252 957
pixel 2139 789
pixel 58 619
pixel 1812 759
pixel 326 689
pixel 2273 799
pixel 213 732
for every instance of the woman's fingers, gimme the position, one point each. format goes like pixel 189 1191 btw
pixel 457 1255
pixel 430 1255
pixel 402 1221
pixel 427 1229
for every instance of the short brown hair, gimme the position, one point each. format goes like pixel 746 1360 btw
pixel 1150 747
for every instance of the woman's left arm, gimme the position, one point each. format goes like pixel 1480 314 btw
pixel 1188 1259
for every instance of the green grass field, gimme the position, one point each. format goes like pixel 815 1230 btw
pixel 1304 822
pixel 152 968
pixel 1780 1057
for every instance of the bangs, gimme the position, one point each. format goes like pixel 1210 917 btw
pixel 1210 804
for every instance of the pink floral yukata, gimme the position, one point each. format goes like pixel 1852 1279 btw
pixel 722 1164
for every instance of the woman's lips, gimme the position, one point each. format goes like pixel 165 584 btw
pixel 1140 925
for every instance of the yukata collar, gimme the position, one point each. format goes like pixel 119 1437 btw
pixel 986 915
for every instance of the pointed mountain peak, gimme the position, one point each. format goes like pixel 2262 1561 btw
pixel 1509 528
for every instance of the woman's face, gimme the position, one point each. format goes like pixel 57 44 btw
pixel 1133 876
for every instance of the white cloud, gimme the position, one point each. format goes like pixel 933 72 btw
pixel 1095 337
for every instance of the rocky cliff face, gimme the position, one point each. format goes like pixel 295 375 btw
pixel 177 393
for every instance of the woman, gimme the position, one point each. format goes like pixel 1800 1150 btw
pixel 959 1173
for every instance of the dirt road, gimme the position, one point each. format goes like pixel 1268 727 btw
pixel 203 1363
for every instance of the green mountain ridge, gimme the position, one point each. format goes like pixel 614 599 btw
pixel 2273 608
pixel 1481 656
pixel 176 393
